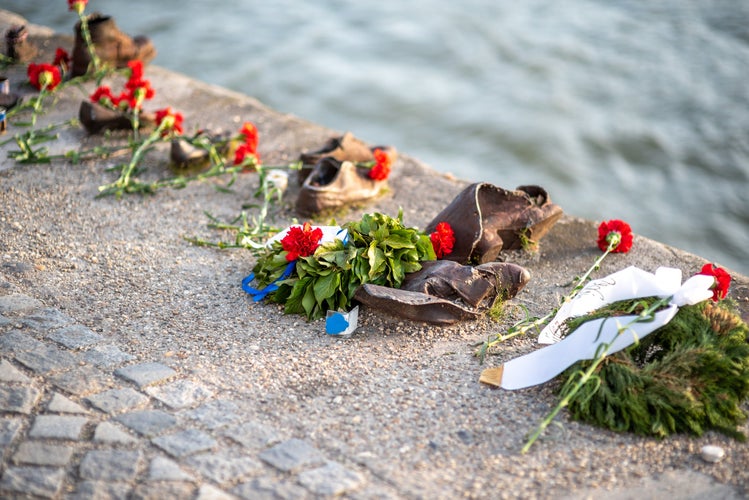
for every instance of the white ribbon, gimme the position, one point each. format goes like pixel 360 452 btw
pixel 620 332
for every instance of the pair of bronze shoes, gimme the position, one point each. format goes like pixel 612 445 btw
pixel 18 46
pixel 467 282
pixel 333 176
pixel 112 46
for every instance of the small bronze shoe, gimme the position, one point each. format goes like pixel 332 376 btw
pixel 444 292
pixel 333 184
pixel 18 46
pixel 487 219
pixel 343 148
pixel 112 46
pixel 96 118
pixel 186 154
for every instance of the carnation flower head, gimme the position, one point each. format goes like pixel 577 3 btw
pixel 301 241
pixel 381 169
pixel 617 232
pixel 443 239
pixel 171 120
pixel 250 133
pixel 44 75
pixel 722 280
pixel 62 58
pixel 77 6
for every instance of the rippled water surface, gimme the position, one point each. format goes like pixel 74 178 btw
pixel 621 109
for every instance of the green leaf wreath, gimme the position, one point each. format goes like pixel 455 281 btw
pixel 379 250
pixel 689 376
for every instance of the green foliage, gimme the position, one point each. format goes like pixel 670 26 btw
pixel 689 376
pixel 380 250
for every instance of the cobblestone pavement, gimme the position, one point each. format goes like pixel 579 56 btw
pixel 83 419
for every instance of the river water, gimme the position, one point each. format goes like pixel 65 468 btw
pixel 620 109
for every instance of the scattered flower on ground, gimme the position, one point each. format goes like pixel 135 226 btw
pixel 381 169
pixel 722 280
pixel 612 230
pixel 44 75
pixel 171 121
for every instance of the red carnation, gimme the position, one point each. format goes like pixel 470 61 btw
pixel 722 280
pixel 44 76
pixel 301 241
pixel 615 231
pixel 381 169
pixel 171 119
pixel 62 58
pixel 77 5
pixel 243 152
pixel 443 239
pixel 250 133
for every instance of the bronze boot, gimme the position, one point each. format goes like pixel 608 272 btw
pixel 343 148
pixel 487 219
pixel 333 185
pixel 18 46
pixel 112 46
pixel 96 118
pixel 444 292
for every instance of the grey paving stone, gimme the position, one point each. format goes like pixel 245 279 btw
pixel 165 469
pixel 160 491
pixel 214 414
pixel 46 359
pixel 145 374
pixel 110 465
pixel 117 400
pixel 253 435
pixel 37 453
pixel 9 373
pixel 17 303
pixel 5 322
pixel 266 488
pixel 9 428
pixel 292 455
pixel 210 492
pixel 61 404
pixel 57 427
pixel 107 432
pixel 82 380
pixel 29 481
pixel 16 341
pixel 75 337
pixel 224 467
pixel 185 443
pixel 180 394
pixel 106 356
pixel 18 399
pixel 332 479
pixel 100 490
pixel 46 319
pixel 148 423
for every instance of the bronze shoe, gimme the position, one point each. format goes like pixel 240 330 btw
pixel 112 46
pixel 18 46
pixel 487 219
pixel 333 184
pixel 445 292
pixel 343 148
pixel 96 118
pixel 196 153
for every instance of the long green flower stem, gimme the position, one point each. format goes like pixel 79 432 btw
pixel 124 184
pixel 578 379
pixel 86 32
pixel 529 324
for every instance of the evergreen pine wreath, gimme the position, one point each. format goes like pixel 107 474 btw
pixel 689 376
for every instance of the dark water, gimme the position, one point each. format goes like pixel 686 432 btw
pixel 621 109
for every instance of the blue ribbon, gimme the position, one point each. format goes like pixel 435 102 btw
pixel 258 295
